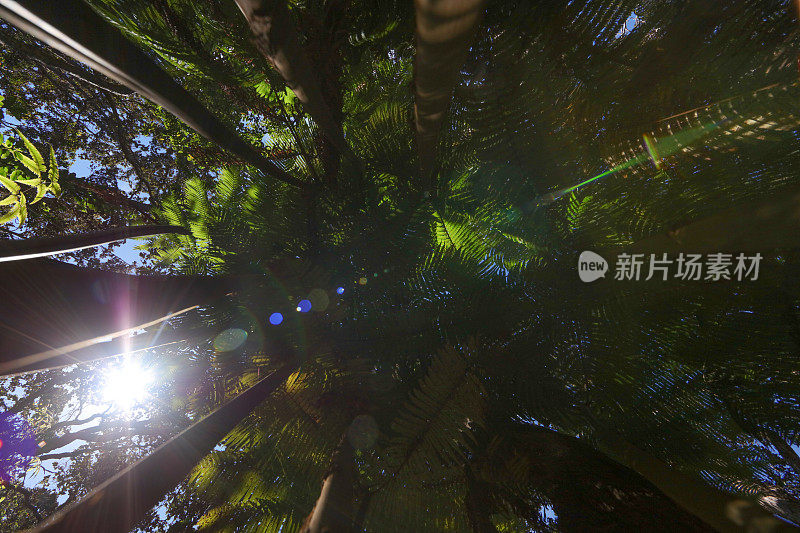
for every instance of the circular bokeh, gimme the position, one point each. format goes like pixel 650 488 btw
pixel 230 339
pixel 363 432
pixel 319 300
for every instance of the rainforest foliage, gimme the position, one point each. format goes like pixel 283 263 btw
pixel 387 200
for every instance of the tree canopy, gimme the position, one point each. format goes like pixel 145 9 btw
pixel 358 304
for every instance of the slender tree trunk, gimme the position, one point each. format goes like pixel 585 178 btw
pixel 333 512
pixel 766 224
pixel 119 503
pixel 478 504
pixel 53 60
pixel 18 250
pixel 276 38
pixel 361 513
pixel 445 31
pixel 74 29
pixel 47 304
pixel 724 512
pixel 116 347
pixel 587 489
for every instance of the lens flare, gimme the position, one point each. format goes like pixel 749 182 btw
pixel 230 339
pixel 17 445
pixel 363 432
pixel 319 300
pixel 127 385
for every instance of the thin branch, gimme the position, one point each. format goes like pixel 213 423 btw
pixel 115 197
pixel 124 143
pixel 78 422
pixel 65 455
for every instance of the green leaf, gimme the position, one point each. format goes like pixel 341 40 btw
pixel 22 213
pixel 52 172
pixel 12 187
pixel 35 155
pixel 10 199
pixel 289 98
pixel 263 88
pixel 41 190
pixel 33 183
pixel 29 163
pixel 10 215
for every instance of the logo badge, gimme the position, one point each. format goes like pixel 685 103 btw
pixel 591 266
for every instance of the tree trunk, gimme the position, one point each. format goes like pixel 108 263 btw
pixel 119 503
pixel 588 490
pixel 477 502
pixel 47 305
pixel 766 224
pixel 724 512
pixel 17 250
pixel 445 31
pixel 122 345
pixel 363 503
pixel 333 512
pixel 74 29
pixel 53 60
pixel 275 36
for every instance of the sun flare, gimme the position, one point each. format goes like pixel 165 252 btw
pixel 127 385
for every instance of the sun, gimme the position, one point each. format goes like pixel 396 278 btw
pixel 127 384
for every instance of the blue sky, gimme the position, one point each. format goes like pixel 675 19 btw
pixel 124 251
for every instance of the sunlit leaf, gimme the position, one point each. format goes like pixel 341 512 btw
pixel 52 172
pixel 9 184
pixel 37 158
pixel 11 214
pixel 8 200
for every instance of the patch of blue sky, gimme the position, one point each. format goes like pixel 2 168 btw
pixel 82 168
pixel 548 512
pixel 629 25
